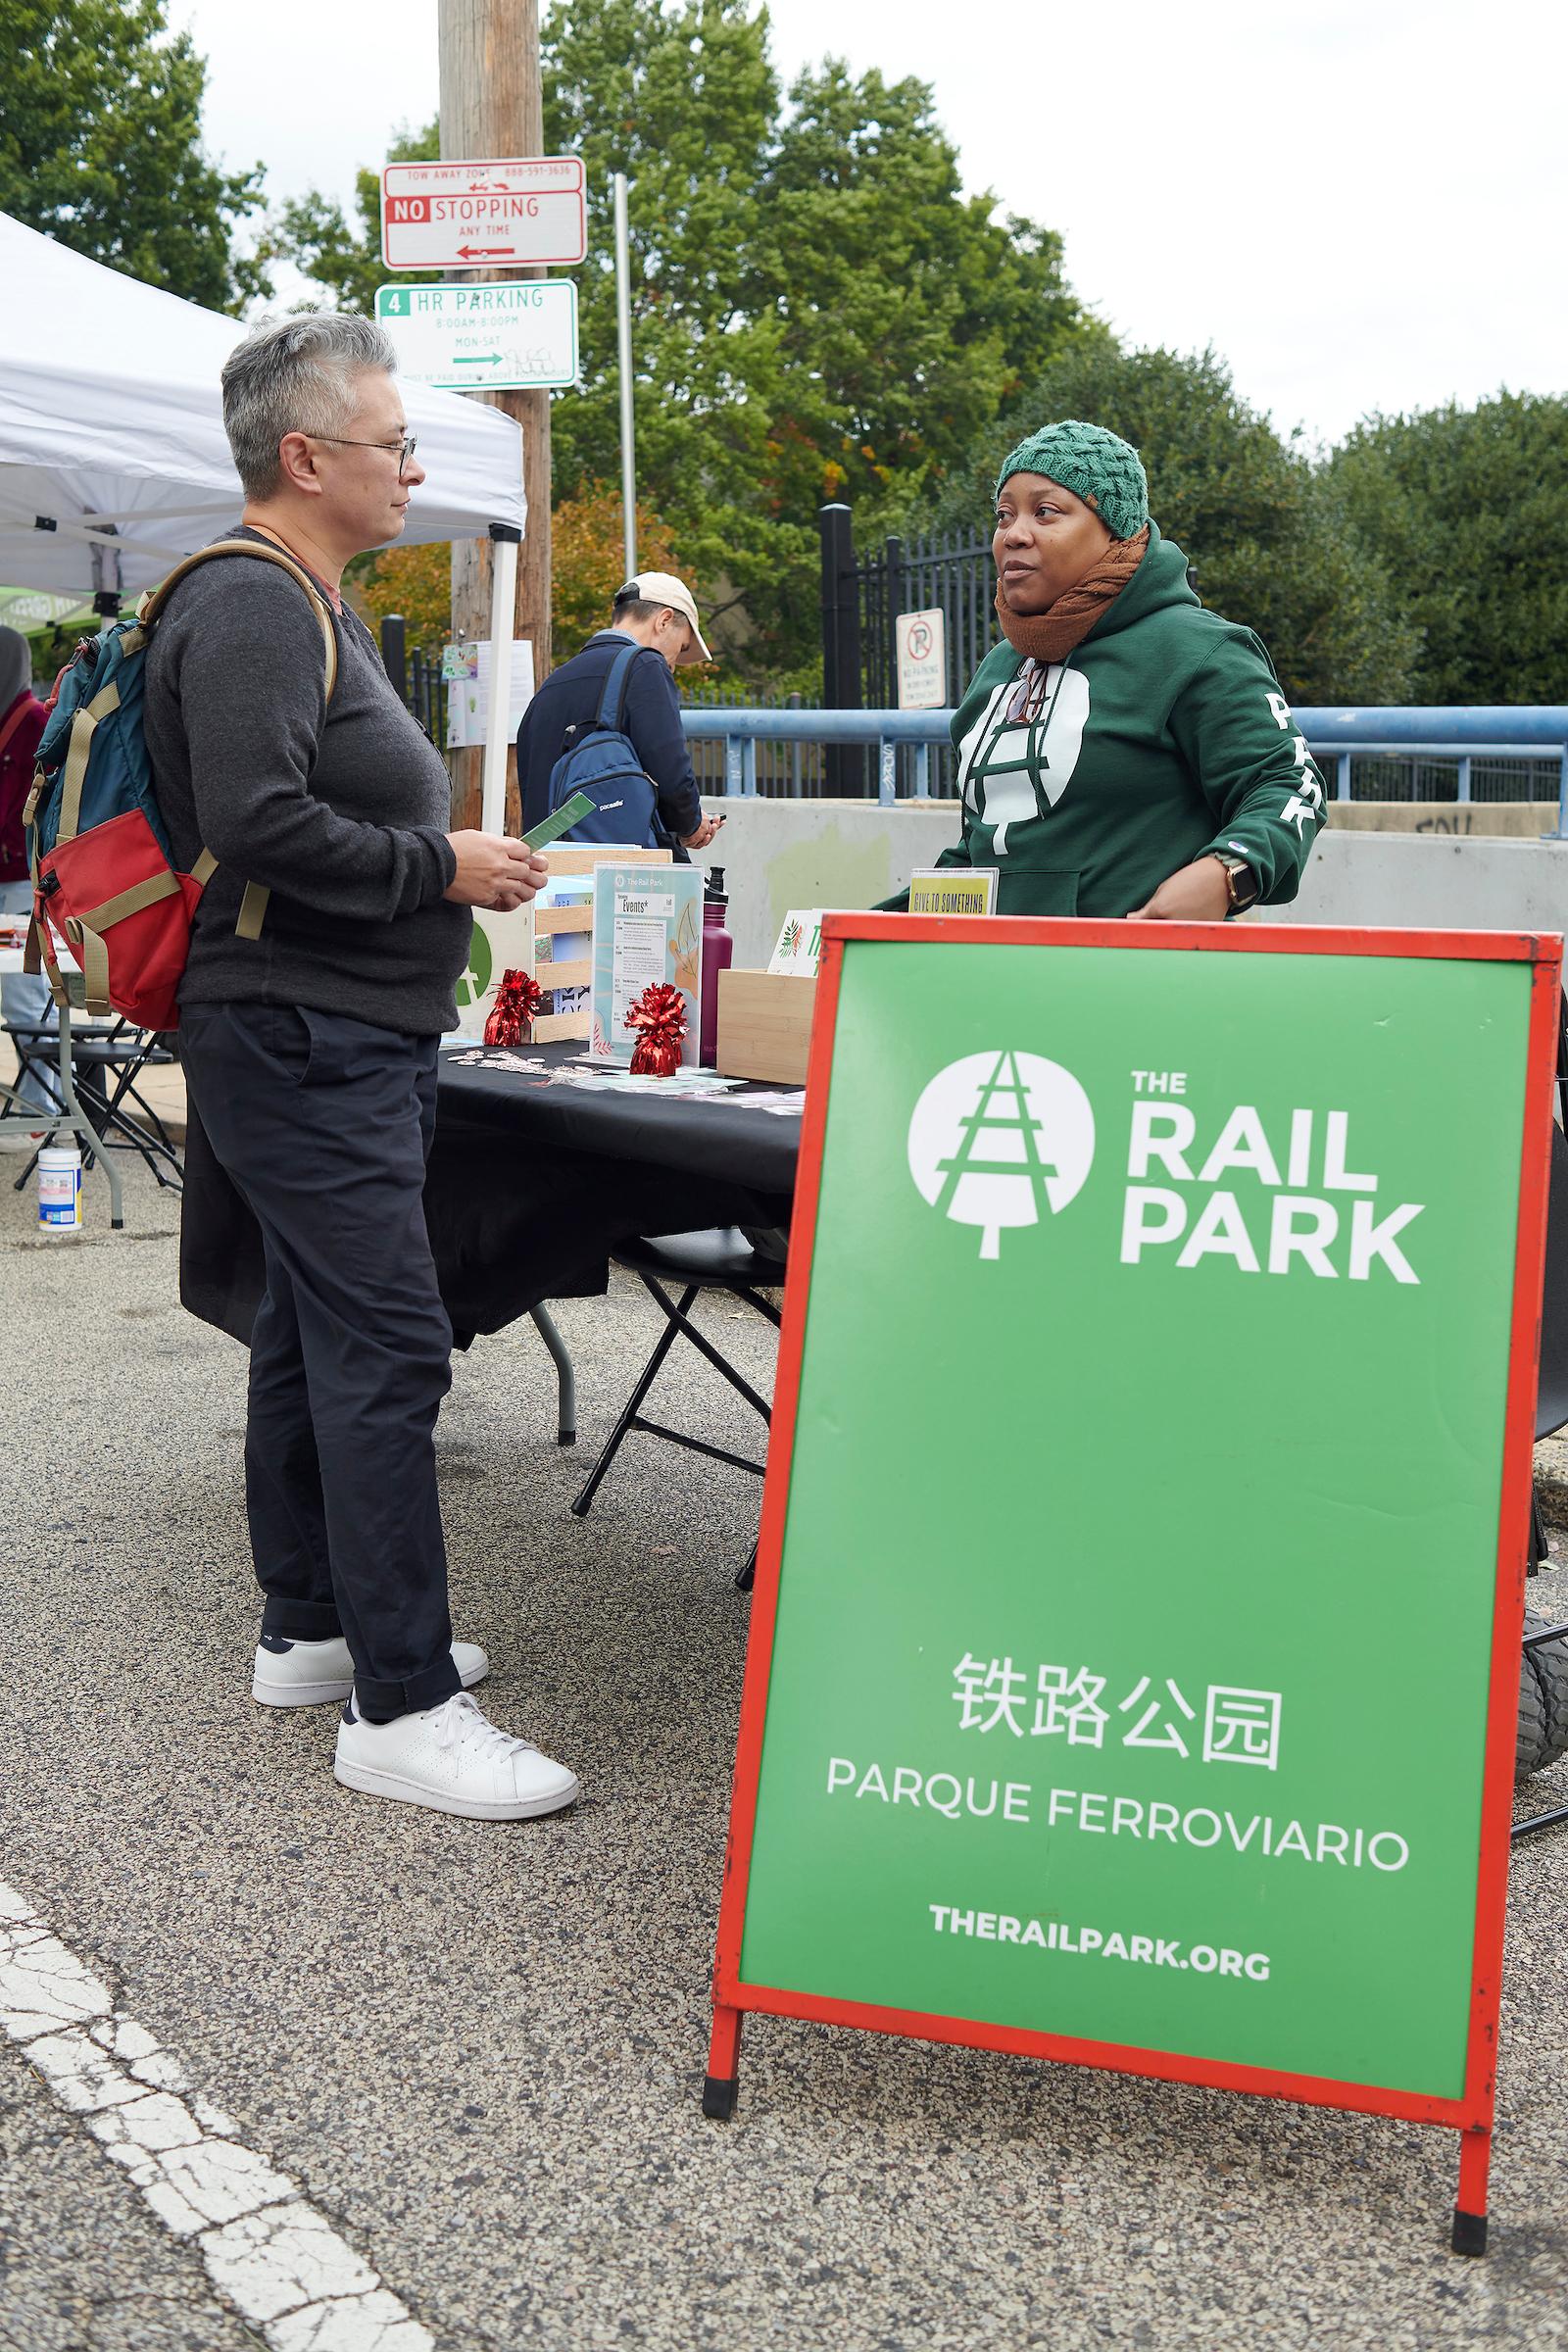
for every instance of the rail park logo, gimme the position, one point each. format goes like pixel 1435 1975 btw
pixel 996 1135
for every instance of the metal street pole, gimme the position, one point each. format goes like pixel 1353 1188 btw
pixel 629 457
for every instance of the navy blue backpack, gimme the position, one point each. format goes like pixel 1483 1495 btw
pixel 597 758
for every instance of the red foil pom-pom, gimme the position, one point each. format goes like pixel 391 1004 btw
pixel 511 1019
pixel 659 1019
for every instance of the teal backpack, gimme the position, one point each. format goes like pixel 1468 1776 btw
pixel 104 877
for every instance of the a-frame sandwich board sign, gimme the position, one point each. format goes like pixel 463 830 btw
pixel 1157 1368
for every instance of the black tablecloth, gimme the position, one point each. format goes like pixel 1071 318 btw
pixel 529 1187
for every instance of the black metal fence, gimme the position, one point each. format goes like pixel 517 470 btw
pixel 417 675
pixel 428 696
pixel 952 576
pixel 862 597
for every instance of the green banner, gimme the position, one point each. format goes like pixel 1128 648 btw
pixel 1135 1604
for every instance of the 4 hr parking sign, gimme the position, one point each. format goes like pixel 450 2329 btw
pixel 1157 1366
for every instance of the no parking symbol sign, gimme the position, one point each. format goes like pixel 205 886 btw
pixel 922 640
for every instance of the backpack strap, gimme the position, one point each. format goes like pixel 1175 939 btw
pixel 15 718
pixel 85 933
pixel 152 604
pixel 82 729
pixel 612 696
pixel 253 902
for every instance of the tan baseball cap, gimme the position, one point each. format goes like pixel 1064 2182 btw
pixel 663 588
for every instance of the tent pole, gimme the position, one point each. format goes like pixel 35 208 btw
pixel 505 537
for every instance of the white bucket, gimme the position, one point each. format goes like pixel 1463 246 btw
pixel 59 1187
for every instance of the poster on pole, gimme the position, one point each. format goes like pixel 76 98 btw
pixel 465 665
pixel 1154 1418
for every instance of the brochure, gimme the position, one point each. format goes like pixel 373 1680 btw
pixel 647 927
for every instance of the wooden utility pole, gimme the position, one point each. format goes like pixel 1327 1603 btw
pixel 492 105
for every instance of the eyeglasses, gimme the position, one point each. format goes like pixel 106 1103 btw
pixel 405 448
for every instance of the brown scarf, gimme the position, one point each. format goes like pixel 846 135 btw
pixel 1051 635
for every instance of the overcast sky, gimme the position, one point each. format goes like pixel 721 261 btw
pixel 1360 203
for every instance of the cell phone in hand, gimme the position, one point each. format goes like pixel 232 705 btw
pixel 559 820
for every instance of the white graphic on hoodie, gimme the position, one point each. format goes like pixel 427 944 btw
pixel 1010 798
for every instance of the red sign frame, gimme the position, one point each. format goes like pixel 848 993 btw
pixel 1472 2113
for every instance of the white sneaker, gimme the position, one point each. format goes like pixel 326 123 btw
pixel 454 1759
pixel 19 1139
pixel 320 1673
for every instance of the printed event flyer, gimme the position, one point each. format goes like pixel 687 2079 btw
pixel 1130 1670
pixel 647 928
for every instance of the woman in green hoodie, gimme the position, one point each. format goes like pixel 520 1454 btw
pixel 1123 752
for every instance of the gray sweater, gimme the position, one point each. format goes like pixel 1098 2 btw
pixel 340 811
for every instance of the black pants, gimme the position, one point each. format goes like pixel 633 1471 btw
pixel 323 1124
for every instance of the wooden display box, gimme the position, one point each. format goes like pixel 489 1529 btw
pixel 764 1025
pixel 576 858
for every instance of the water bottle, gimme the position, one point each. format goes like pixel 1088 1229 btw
pixel 718 950
pixel 59 1187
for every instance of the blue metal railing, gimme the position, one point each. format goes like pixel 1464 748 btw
pixel 1462 734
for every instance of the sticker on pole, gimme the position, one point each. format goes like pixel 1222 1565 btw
pixel 482 338
pixel 529 212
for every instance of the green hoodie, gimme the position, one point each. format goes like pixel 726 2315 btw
pixel 1164 737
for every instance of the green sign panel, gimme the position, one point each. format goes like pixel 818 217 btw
pixel 1139 1471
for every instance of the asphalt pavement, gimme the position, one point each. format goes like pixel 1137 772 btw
pixel 476 2050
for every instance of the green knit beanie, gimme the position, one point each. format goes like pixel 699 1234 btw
pixel 1100 468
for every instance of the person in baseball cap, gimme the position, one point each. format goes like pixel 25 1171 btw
pixel 657 612
pixel 664 592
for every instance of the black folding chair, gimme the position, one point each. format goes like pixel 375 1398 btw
pixel 721 1259
pixel 106 1060
pixel 34 1047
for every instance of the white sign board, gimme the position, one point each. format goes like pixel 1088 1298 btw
pixel 469 691
pixel 530 212
pixel 921 639
pixel 799 943
pixel 505 338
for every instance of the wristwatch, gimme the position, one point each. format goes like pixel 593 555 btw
pixel 1241 883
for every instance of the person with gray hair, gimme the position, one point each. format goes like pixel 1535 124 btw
pixel 324 954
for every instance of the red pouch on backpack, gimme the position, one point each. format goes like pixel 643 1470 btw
pixel 125 916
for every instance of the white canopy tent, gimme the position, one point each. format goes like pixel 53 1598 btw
pixel 114 462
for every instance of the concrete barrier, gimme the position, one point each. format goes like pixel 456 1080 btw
pixel 1467 885
pixel 1517 820
pixel 782 853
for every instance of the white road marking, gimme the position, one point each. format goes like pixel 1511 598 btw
pixel 276 2260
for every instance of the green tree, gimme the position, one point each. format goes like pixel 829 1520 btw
pixel 344 258
pixel 909 316
pixel 1267 535
pixel 818 310
pixel 100 147
pixel 1463 509
pixel 684 101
